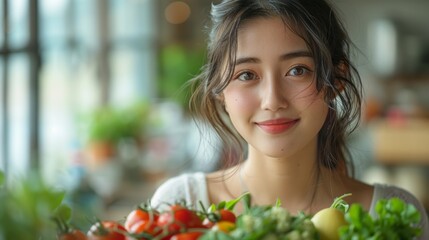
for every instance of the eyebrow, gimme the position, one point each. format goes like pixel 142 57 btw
pixel 283 57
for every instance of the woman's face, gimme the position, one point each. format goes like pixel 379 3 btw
pixel 272 98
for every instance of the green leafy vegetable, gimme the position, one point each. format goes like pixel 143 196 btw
pixel 396 220
pixel 264 222
pixel 270 222
pixel 228 205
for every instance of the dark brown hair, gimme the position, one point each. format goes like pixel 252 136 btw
pixel 316 22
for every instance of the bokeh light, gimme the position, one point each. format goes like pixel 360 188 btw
pixel 177 12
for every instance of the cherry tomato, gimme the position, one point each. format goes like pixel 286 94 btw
pixel 140 220
pixel 145 227
pixel 187 236
pixel 72 235
pixel 65 232
pixel 138 215
pixel 224 226
pixel 207 223
pixel 107 230
pixel 179 217
pixel 220 215
pixel 227 215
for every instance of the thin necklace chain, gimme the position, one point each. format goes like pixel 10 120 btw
pixel 245 189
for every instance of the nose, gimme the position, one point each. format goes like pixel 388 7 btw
pixel 273 95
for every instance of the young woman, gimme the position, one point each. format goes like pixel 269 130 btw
pixel 279 79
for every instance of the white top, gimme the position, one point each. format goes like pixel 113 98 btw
pixel 192 187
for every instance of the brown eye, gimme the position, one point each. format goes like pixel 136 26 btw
pixel 245 76
pixel 298 71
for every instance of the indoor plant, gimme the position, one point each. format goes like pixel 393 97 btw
pixel 108 125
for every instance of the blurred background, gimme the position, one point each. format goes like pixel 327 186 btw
pixel 92 98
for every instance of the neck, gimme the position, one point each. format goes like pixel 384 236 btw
pixel 293 180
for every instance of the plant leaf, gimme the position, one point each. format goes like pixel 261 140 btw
pixel 63 212
pixel 231 204
pixel 1 178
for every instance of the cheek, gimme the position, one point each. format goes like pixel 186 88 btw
pixel 315 107
pixel 239 101
pixel 308 98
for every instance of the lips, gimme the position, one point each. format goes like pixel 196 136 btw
pixel 277 126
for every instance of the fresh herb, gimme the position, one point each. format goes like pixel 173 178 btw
pixel 273 221
pixel 267 222
pixel 229 205
pixel 396 220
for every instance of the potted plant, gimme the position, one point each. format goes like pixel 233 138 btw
pixel 109 125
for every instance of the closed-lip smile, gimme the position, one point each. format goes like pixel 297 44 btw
pixel 276 126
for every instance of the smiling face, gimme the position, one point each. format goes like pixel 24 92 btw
pixel 272 98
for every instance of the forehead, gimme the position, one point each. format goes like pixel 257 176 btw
pixel 268 34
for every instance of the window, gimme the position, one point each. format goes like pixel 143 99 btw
pixel 92 53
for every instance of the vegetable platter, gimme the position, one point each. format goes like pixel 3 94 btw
pixel 395 220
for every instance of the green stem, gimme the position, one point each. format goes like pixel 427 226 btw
pixel 340 204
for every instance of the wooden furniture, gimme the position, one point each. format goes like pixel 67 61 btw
pixel 405 142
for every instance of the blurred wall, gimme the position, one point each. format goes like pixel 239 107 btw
pixel 392 40
pixel 412 16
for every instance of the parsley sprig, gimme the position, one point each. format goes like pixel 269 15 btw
pixel 396 220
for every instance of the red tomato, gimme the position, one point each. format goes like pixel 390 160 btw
pixel 107 230
pixel 221 215
pixel 72 235
pixel 140 220
pixel 187 236
pixel 148 227
pixel 138 215
pixel 179 217
pixel 227 215
pixel 207 223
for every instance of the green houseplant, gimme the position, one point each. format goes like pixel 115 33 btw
pixel 108 125
pixel 28 207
